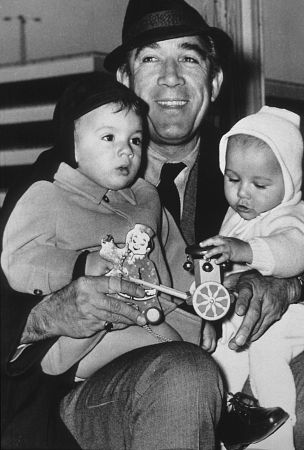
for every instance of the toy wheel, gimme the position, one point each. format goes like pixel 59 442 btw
pixel 154 315
pixel 211 300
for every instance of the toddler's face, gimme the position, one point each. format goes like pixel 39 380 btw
pixel 253 180
pixel 108 146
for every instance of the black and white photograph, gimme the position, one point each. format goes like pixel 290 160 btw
pixel 152 224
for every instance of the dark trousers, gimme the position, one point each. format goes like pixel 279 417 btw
pixel 165 396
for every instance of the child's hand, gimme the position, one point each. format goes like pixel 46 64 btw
pixel 96 265
pixel 209 338
pixel 230 249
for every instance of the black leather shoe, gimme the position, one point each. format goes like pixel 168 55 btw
pixel 245 422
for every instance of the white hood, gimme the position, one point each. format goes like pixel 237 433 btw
pixel 280 129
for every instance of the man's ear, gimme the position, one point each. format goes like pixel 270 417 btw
pixel 123 77
pixel 216 84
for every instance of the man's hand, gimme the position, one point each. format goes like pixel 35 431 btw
pixel 262 301
pixel 82 308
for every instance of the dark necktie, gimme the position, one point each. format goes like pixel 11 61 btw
pixel 167 189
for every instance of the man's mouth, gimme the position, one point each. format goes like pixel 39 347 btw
pixel 172 104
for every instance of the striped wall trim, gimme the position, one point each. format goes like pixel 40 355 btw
pixel 15 157
pixel 26 114
pixel 48 68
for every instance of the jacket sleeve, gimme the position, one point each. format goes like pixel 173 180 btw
pixel 31 260
pixel 280 253
pixel 15 309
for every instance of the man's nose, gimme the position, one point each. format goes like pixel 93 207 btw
pixel 170 73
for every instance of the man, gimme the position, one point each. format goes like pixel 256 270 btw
pixel 178 72
pixel 179 78
pixel 140 400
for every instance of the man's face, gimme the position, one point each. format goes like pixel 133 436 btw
pixel 108 146
pixel 253 180
pixel 173 77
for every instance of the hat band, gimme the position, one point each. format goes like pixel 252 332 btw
pixel 163 19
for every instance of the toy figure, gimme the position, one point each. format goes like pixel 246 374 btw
pixel 132 261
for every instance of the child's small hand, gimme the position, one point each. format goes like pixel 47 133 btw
pixel 96 265
pixel 229 248
pixel 209 338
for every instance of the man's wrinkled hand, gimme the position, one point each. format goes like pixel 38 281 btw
pixel 82 308
pixel 92 304
pixel 261 301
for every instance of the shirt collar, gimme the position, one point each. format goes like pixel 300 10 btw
pixel 155 162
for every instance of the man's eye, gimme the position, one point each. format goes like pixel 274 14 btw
pixel 136 141
pixel 190 59
pixel 148 59
pixel 108 138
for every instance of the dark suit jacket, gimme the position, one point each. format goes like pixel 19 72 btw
pixel 204 202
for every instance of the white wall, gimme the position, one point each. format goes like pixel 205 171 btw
pixel 66 27
pixel 76 26
pixel 284 40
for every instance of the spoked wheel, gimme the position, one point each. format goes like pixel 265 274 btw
pixel 211 300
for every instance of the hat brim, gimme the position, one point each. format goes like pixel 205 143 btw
pixel 222 41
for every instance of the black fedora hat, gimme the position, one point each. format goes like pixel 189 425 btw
pixel 148 21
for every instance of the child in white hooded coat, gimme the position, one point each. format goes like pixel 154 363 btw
pixel 261 158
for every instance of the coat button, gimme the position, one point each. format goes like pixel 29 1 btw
pixel 105 198
pixel 37 291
